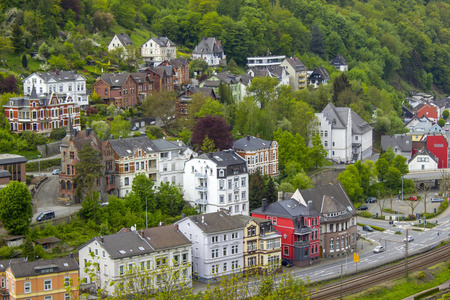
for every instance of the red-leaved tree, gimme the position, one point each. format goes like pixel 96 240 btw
pixel 216 128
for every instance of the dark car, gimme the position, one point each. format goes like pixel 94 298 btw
pixel 286 263
pixel 367 228
pixel 371 200
pixel 363 207
pixel 46 215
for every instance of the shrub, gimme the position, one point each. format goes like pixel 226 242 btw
pixel 34 166
pixel 365 214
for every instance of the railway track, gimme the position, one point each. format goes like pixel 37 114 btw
pixel 366 280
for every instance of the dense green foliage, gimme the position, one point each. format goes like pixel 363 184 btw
pixel 16 210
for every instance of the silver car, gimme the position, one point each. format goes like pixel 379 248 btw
pixel 378 249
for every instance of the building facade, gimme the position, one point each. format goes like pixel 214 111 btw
pixel 42 114
pixel 120 41
pixel 423 160
pixel 297 72
pixel 210 50
pixel 345 135
pixel 48 279
pixel 118 89
pixel 340 63
pixel 217 181
pixel 15 165
pixel 259 154
pixel 62 82
pixel 265 61
pixel 319 76
pixel 158 49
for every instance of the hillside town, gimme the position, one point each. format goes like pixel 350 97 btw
pixel 230 204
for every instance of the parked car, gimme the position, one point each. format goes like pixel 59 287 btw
pixel 134 128
pixel 46 215
pixel 378 249
pixel 371 200
pixel 286 263
pixel 367 228
pixel 436 199
pixel 410 239
pixel 363 207
pixel 56 171
pixel 413 198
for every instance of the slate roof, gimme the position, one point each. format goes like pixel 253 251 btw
pixel 4 264
pixel 177 62
pixel 424 151
pixel 59 76
pixel 339 60
pixel 208 45
pixel 204 90
pixel 141 77
pixel 211 83
pixel 216 222
pixel 359 126
pixel 223 158
pixel 127 146
pixel 287 209
pixel 227 77
pixel 125 39
pixel 338 117
pixel 115 80
pixel 296 63
pixel 124 244
pixel 251 143
pixel 4 174
pixel 321 72
pixel 32 268
pixel 404 142
pixel 443 102
pixel 162 41
pixel 164 237
pixel 246 79
pixel 6 158
pixel 52 239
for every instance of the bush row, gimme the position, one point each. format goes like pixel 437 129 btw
pixel 34 166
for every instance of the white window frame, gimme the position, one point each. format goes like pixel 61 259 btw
pixel 47 284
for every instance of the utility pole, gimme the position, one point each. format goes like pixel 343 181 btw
pixel 406 255
pixel 341 283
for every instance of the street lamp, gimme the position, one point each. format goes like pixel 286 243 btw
pixel 39 164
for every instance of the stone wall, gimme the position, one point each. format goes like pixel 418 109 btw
pixel 49 149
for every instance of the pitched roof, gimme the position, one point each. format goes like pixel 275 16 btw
pixel 216 222
pixel 125 39
pixel 4 174
pixel 359 126
pixel 321 72
pixel 32 268
pixel 164 237
pixel 296 63
pixel 4 264
pixel 424 151
pixel 223 158
pixel 59 76
pixel 339 60
pixel 115 80
pixel 404 142
pixel 287 209
pixel 52 239
pixel 141 77
pixel 251 143
pixel 6 158
pixel 208 45
pixel 227 77
pixel 338 117
pixel 127 146
pixel 124 244
pixel 162 41
pixel 177 62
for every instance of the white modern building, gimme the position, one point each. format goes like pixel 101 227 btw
pixel 217 181
pixel 210 50
pixel 265 61
pixel 158 49
pixel 345 135
pixel 149 258
pixel 61 82
pixel 217 241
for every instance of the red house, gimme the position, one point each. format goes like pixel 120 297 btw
pixel 298 224
pixel 118 89
pixel 431 112
pixel 438 145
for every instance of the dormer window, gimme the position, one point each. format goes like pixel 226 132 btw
pixel 221 173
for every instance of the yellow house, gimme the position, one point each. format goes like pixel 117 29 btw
pixel 51 279
pixel 262 244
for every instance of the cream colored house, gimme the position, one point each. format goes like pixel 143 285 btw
pixel 158 49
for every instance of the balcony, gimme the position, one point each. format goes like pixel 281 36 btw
pixel 201 188
pixel 301 243
pixel 200 175
pixel 201 201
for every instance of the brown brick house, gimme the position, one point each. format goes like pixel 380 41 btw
pixel 118 89
pixel 15 165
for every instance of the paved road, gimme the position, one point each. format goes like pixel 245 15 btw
pixel 46 198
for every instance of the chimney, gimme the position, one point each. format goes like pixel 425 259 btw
pixel 257 135
pixel 264 204
pixel 203 219
pixel 310 205
pixel 101 239
pixel 183 215
pixel 57 72
pixel 280 195
pixel 248 138
pixel 195 219
pixel 71 255
pixel 244 135
pixel 160 224
pixel 176 227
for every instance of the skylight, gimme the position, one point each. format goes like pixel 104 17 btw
pixel 65 264
pixel 349 208
pixel 141 248
pixel 122 251
pixel 129 151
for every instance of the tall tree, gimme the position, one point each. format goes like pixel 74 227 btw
pixel 88 170
pixel 143 187
pixel 317 152
pixel 16 210
pixel 256 190
pixel 24 61
pixel 17 39
pixel 161 105
pixel 208 145
pixel 28 250
pixel 317 41
pixel 270 192
pixel 340 84
pixel 216 129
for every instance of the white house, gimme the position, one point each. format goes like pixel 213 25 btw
pixel 217 241
pixel 217 181
pixel 345 135
pixel 340 63
pixel 142 256
pixel 400 143
pixel 210 50
pixel 319 76
pixel 120 41
pixel 159 49
pixel 172 157
pixel 61 82
pixel 419 124
pixel 423 160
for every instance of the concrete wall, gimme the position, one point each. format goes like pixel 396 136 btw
pixel 49 149
pixel 326 177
